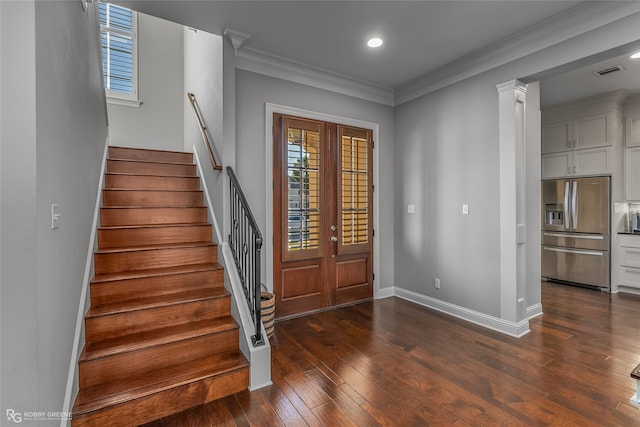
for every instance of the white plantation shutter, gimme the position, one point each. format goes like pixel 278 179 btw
pixel 119 51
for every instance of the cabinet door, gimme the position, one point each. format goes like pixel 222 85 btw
pixel 593 131
pixel 629 277
pixel 595 161
pixel 556 137
pixel 633 130
pixel 632 173
pixel 556 165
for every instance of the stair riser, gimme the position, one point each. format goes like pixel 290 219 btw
pixel 151 198
pixel 150 168
pixel 143 216
pixel 123 290
pixel 124 237
pixel 143 182
pixel 158 258
pixel 149 155
pixel 105 327
pixel 167 402
pixel 122 366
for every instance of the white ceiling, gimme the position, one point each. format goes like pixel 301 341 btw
pixel 419 36
pixel 582 82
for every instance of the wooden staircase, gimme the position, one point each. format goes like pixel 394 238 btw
pixel 159 336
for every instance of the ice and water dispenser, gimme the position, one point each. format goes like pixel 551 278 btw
pixel 554 214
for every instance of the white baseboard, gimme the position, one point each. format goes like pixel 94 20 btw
pixel 490 322
pixel 534 310
pixel 384 293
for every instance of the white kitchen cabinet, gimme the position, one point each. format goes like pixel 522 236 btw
pixel 584 132
pixel 557 137
pixel 593 161
pixel 593 131
pixel 629 259
pixel 632 173
pixel 633 130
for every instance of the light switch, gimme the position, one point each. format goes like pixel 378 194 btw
pixel 411 209
pixel 55 216
pixel 465 209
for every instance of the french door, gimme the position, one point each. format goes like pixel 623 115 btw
pixel 323 206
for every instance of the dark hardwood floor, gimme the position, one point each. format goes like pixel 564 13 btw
pixel 394 363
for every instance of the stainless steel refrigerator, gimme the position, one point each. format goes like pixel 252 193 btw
pixel 575 231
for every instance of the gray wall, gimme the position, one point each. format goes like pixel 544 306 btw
pixel 254 90
pixel 203 76
pixel 158 123
pixel 53 137
pixel 446 154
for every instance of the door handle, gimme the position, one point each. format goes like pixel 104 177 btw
pixel 574 205
pixel 566 205
pixel 333 239
pixel 571 251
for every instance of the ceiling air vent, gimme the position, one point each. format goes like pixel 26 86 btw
pixel 608 70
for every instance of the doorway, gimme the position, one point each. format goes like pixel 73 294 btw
pixel 322 214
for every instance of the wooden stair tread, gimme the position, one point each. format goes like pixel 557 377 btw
pixel 153 272
pixel 154 301
pixel 120 227
pixel 133 342
pixel 160 162
pixel 154 247
pixel 191 177
pixel 107 394
pixel 153 207
pixel 146 190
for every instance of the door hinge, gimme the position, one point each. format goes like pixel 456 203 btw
pixel 373 232
pixel 374 276
pixel 373 144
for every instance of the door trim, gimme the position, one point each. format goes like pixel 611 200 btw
pixel 270 109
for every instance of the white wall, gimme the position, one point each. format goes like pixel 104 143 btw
pixel 203 75
pixel 158 122
pixel 446 155
pixel 53 136
pixel 253 91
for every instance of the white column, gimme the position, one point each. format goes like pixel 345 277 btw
pixel 513 247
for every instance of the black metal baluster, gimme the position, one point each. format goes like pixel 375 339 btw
pixel 245 242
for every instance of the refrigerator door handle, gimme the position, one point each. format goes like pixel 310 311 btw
pixel 576 236
pixel 574 205
pixel 566 205
pixel 571 251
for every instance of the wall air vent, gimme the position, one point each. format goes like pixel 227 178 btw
pixel 608 70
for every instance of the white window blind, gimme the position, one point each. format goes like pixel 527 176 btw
pixel 118 38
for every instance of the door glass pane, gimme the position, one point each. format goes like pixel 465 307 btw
pixel 355 191
pixel 303 189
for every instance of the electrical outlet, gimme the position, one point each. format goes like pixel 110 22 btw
pixel 465 209
pixel 411 209
pixel 437 283
pixel 55 216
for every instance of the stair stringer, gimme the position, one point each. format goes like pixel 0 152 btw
pixel 259 357
pixel 83 305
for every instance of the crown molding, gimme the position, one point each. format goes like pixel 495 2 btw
pixel 573 22
pixel 283 68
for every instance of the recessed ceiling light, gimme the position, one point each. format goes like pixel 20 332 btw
pixel 374 42
pixel 635 55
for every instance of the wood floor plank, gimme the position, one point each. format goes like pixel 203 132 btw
pixel 393 363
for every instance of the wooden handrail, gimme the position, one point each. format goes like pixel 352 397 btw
pixel 203 131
